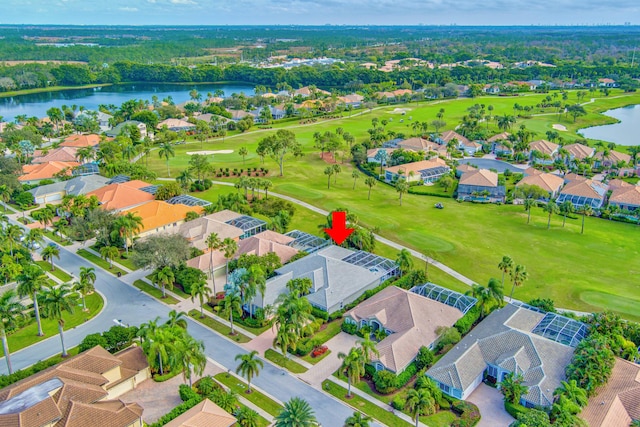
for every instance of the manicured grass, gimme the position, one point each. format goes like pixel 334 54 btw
pixel 562 263
pixel 330 330
pixel 219 327
pixel 154 292
pixel 286 363
pixel 440 419
pixel 255 397
pixel 313 360
pixel 99 262
pixel 28 335
pixel 254 331
pixel 363 405
pixel 59 273
pixel 56 238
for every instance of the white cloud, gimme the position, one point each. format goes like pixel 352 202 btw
pixel 128 9
pixel 182 2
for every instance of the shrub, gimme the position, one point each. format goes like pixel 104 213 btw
pixel 398 403
pixel 424 359
pixel 369 370
pixel 405 376
pixel 303 348
pixel 469 414
pixel 449 337
pixel 177 411
pixel 466 322
pixel 6 380
pixel 206 386
pixel 545 304
pixel 514 409
pixel 384 381
pixel 185 276
pixel 319 351
pixel 336 315
pixel 91 341
pixel 444 404
pixel 167 376
pixel 186 392
pixel 319 314
pixel 350 328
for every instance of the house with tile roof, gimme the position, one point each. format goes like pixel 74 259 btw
pixel 79 391
pixel 61 154
pixel 547 181
pixel 612 158
pixel 584 192
pixel 120 127
pixel 481 184
pixel 52 193
pixel 204 414
pixel 511 339
pixel 579 152
pixel 81 140
pixel 103 119
pixel 617 403
pixel 498 144
pixel 546 148
pixel 176 125
pixel 410 321
pixel 416 144
pixel 160 216
pixel 469 148
pixel 449 135
pixel 338 276
pixel 32 174
pixel 196 231
pixel 427 171
pixel 463 168
pixel 120 196
pixel 625 197
pixel 373 152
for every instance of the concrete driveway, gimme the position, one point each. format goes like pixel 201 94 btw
pixel 491 404
pixel 341 343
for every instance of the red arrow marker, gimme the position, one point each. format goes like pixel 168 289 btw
pixel 339 231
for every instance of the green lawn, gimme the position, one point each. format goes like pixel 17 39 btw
pixel 56 238
pixel 588 272
pixel 363 405
pixel 60 274
pixel 286 363
pixel 254 331
pixel 313 360
pixel 28 335
pixel 99 262
pixel 221 328
pixel 328 331
pixel 154 292
pixel 255 397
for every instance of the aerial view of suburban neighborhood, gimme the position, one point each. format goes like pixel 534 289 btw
pixel 329 214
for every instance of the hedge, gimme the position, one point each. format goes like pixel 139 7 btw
pixel 6 380
pixel 177 411
pixel 405 376
pixel 187 393
pixel 514 409
pixel 165 377
pixel 319 314
pixel 466 322
pixel 350 328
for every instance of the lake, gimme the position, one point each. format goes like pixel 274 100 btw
pixel 624 133
pixel 37 104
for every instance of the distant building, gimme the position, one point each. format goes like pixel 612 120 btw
pixel 482 185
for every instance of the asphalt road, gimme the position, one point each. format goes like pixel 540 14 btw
pixel 133 307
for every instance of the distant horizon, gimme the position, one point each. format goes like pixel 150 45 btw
pixel 624 25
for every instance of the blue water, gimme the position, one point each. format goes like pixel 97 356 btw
pixel 624 133
pixel 37 104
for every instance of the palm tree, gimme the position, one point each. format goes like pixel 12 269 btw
pixel 230 305
pixel 33 236
pixel 506 265
pixel 167 151
pixel 10 311
pixel 528 204
pixel 185 178
pixel 256 282
pixel 370 182
pixel 483 295
pixel 49 253
pixel 355 175
pixel 189 357
pixel 160 343
pixel 573 392
pixel 566 208
pixel 585 210
pixel 328 171
pixel 200 290
pixel 177 319
pixel 420 402
pixel 30 283
pixel 404 261
pixel 402 187
pixel 243 152
pixel 12 234
pixel 85 285
pixel 550 207
pixel 213 243
pixel 296 413
pixel 5 195
pixel 108 253
pixel 496 290
pixel 55 301
pixel 247 417
pixel 284 339
pixel 352 366
pixel 165 278
pixel 358 419
pixel 368 348
pixel 518 276
pixel 249 366
pixel 126 226
pixel 229 247
pixel 512 388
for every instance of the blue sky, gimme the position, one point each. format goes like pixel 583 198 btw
pixel 319 12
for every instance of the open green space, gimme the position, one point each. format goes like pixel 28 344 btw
pixel 28 335
pixel 285 362
pixel 219 327
pixel 251 329
pixel 60 274
pixel 56 238
pixel 154 292
pixel 255 397
pixel 100 262
pixel 562 263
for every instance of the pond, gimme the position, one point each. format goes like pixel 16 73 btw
pixel 623 133
pixel 37 104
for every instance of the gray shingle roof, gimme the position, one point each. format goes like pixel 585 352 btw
pixel 74 186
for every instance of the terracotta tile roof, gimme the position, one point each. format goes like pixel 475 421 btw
pixel 204 414
pixel 196 231
pixel 371 153
pixel 412 318
pixel 224 215
pixel 175 123
pixel 415 144
pixel 124 195
pixel 573 177
pixel 45 170
pixel 547 181
pixel 531 171
pixel 90 140
pixel 62 154
pixel 618 402
pixel 614 156
pixel 156 213
pixel 203 262
pixel 618 183
pixel 481 178
pixel 626 196
pixel 114 413
pixel 579 151
pixel 416 167
pixel 543 146
pixel 465 168
pixel 450 134
pixel 268 241
pixel 586 188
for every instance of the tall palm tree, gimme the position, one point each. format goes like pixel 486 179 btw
pixel 242 151
pixel 528 204
pixel 109 253
pixel 420 402
pixel 370 182
pixel 496 290
pixel 483 295
pixel 358 419
pixel 355 175
pixel 229 247
pixel 85 284
pixel 30 283
pixel 12 234
pixel 33 237
pixel 404 261
pixel 296 413
pixel 585 210
pixel 177 319
pixel 402 187
pixel 200 290
pixel 10 311
pixel 284 339
pixel 5 196
pixel 518 276
pixel 352 366
pixel 55 301
pixel 247 417
pixel 166 151
pixel 148 329
pixel 189 357
pixel 257 282
pixel 126 226
pixel 165 278
pixel 506 265
pixel 249 366
pixel 213 243
pixel 159 345
pixel 230 305
pixel 49 253
pixel 550 207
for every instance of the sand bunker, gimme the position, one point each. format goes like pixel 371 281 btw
pixel 562 128
pixel 399 110
pixel 191 153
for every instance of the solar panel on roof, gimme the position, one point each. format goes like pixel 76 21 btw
pixel 446 296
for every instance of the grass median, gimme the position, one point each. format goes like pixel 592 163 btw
pixel 255 397
pixel 219 327
pixel 154 292
pixel 285 362
pixel 57 272
pixel 100 262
